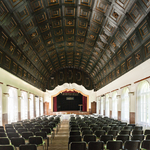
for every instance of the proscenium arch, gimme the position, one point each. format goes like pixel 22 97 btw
pixel 69 90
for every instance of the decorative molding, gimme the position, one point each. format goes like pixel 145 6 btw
pixel 6 94
pixel 110 98
pixel 131 93
pixel 141 79
pixel 125 86
pixel 118 96
pixel 12 86
pixel 23 90
pixel 115 90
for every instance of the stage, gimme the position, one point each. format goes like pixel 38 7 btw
pixel 69 112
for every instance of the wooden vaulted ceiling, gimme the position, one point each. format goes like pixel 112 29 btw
pixel 101 38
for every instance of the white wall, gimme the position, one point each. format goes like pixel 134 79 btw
pixel 138 73
pixel 9 79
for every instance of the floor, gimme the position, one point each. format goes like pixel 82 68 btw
pixel 60 142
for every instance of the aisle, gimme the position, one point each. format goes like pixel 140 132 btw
pixel 60 141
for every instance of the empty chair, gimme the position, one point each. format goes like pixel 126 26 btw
pixel 74 138
pixel 44 136
pixel 106 128
pixel 132 145
pixel 28 147
pixel 88 138
pixel 34 130
pixel 38 127
pixel 128 128
pixel 96 128
pixel 4 141
pixel 78 145
pixel 2 130
pixel 85 128
pixel 20 130
pixel 95 145
pixel 7 147
pixel 145 144
pixel 74 128
pixel 8 125
pixel 98 133
pixel 134 132
pixel 10 135
pixel 17 141
pixel 86 132
pixel 10 130
pixel 114 145
pixel 116 128
pixel 27 134
pixel 147 131
pixel 148 137
pixel 125 132
pixel 106 138
pixel 38 140
pixel 3 134
pixel 123 137
pixel 113 132
pixel 138 128
pixel 139 137
pixel 74 132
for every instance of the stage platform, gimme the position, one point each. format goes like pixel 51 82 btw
pixel 69 112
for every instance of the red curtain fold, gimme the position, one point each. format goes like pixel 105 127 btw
pixel 70 92
pixel 54 104
pixel 84 103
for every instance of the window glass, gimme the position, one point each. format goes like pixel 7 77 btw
pixel 125 105
pixel 114 105
pixel 13 105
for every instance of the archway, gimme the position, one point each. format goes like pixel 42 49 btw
pixel 70 90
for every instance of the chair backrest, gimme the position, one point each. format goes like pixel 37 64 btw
pixel 3 134
pixel 28 147
pixel 74 132
pixel 137 132
pixel 114 145
pixel 123 137
pixel 106 138
pixel 27 134
pixel 132 145
pixel 74 138
pixel 10 135
pixel 125 132
pixel 4 141
pixel 138 137
pixel 87 138
pixel 112 132
pixel 98 133
pixel 85 132
pixel 78 146
pixel 41 133
pixel 17 141
pixel 7 147
pixel 34 130
pixel 47 130
pixel 147 131
pixel 138 128
pixel 93 145
pixel 146 144
pixel 20 130
pixel 35 140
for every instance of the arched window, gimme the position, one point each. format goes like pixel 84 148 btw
pixel 12 105
pixel 143 103
pixel 31 103
pixel 102 105
pixel 24 105
pixel 37 106
pixel 125 105
pixel 107 105
pixel 0 106
pixel 41 106
pixel 114 105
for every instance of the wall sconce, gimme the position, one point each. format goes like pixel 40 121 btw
pixel 131 93
pixel 6 94
pixel 118 96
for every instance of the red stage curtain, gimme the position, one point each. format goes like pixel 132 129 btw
pixel 84 103
pixel 55 103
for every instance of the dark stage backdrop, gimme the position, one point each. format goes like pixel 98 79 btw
pixel 73 104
